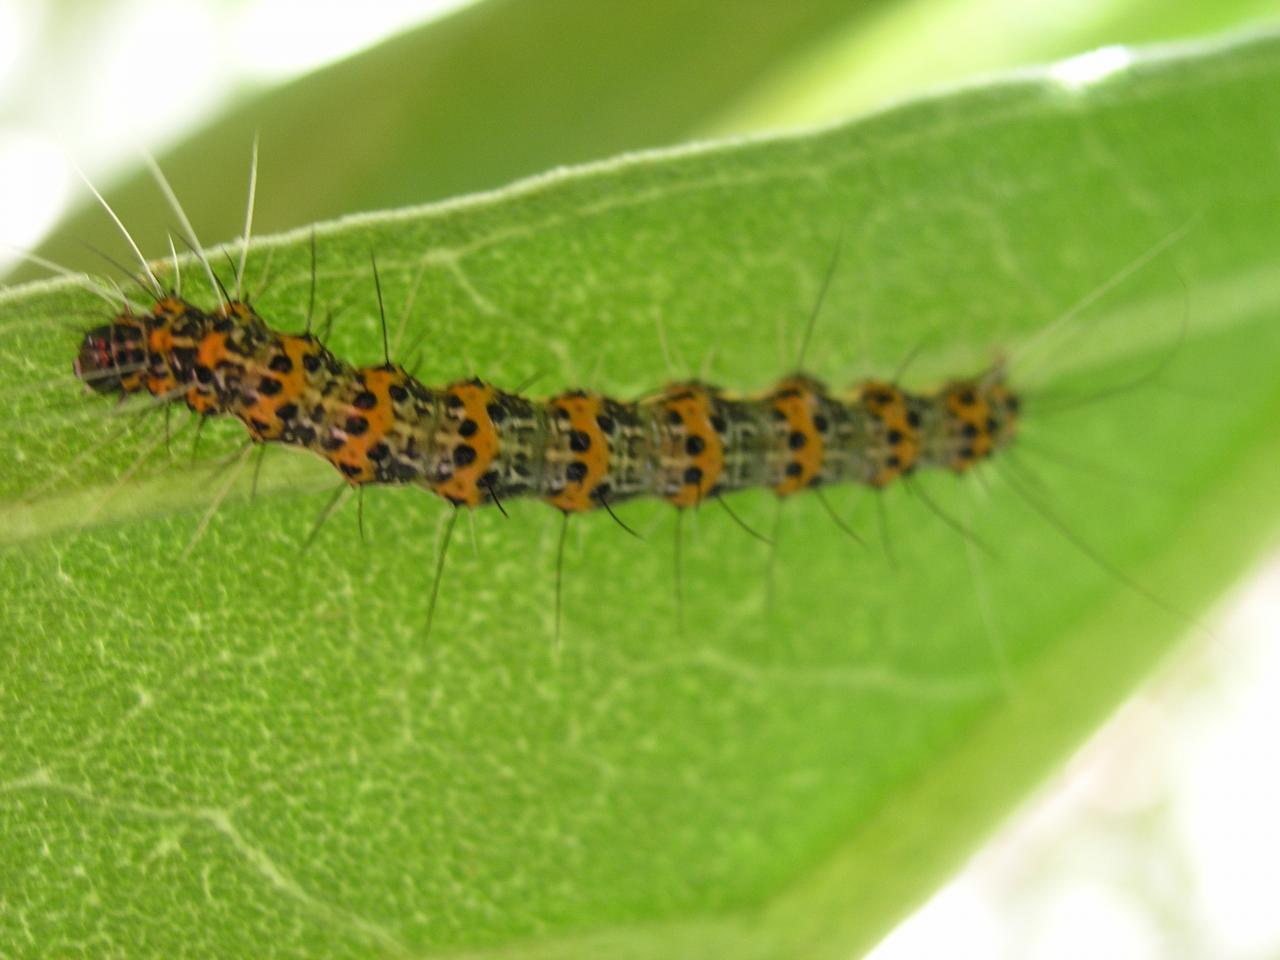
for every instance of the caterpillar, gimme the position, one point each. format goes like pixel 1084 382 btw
pixel 475 444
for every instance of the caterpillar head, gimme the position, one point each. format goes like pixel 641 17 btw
pixel 113 357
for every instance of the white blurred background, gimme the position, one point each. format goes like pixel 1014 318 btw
pixel 82 89
pixel 1161 838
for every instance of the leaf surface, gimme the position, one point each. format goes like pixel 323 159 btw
pixel 217 746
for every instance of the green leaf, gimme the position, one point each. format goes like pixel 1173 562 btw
pixel 217 745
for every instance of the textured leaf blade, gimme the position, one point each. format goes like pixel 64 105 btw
pixel 259 743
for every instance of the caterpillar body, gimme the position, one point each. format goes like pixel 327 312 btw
pixel 475 444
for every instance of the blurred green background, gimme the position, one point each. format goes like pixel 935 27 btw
pixel 488 93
